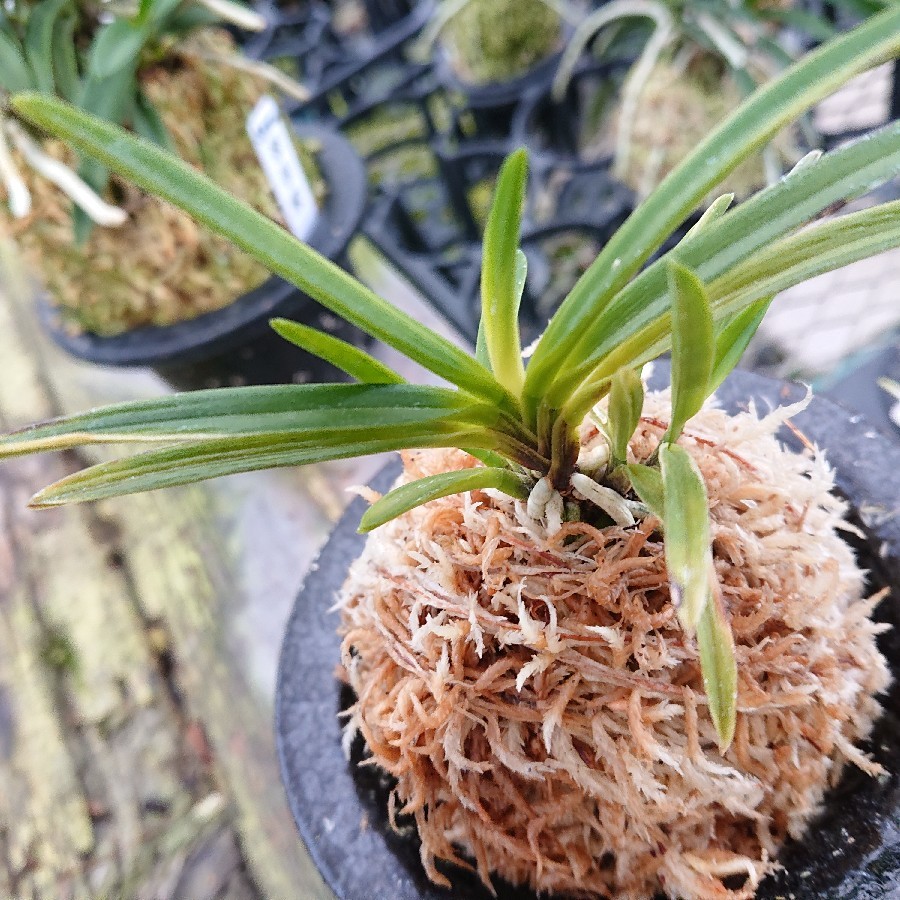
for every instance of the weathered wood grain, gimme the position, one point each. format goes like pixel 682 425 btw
pixel 136 749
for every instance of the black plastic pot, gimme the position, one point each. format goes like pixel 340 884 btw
pixel 490 107
pixel 853 848
pixel 855 385
pixel 555 128
pixel 430 229
pixel 235 345
pixel 340 71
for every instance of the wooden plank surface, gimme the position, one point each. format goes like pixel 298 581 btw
pixel 138 645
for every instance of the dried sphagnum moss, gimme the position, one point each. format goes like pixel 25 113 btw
pixel 678 107
pixel 160 267
pixel 536 699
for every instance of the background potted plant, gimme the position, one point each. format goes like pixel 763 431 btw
pixel 182 297
pixel 722 679
pixel 491 51
pixel 694 63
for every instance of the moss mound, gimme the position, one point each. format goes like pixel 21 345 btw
pixel 496 40
pixel 544 714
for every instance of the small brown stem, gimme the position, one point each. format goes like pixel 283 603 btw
pixel 563 453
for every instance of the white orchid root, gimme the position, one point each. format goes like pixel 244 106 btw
pixel 18 195
pixel 97 209
pixel 610 501
pixel 640 71
pixel 273 76
pixel 236 14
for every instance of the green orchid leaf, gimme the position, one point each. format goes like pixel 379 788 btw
pixel 488 457
pixel 159 173
pixel 568 340
pixel 693 347
pixel 815 26
pixel 733 339
pixel 640 308
pixel 355 362
pixel 161 11
pixel 648 485
pixel 521 276
pixel 714 211
pixel 15 73
pixel 626 400
pixel 500 294
pixel 821 248
pixel 247 411
pixel 198 461
pixel 189 18
pixel 415 493
pixel 687 540
pixel 108 98
pixel 116 47
pixel 148 123
pixel 39 42
pixel 719 668
pixel 481 350
pixel 65 59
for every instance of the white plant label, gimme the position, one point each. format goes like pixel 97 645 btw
pixel 278 157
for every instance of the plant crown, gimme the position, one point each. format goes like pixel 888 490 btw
pixel 703 300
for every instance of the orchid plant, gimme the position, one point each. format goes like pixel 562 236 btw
pixel 91 54
pixel 744 39
pixel 703 300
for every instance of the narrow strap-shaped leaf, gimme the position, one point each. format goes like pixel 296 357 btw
pixel 815 26
pixel 733 339
pixel 108 98
pixel 415 493
pixel 687 541
pixel 245 411
pixel 744 132
pixel 148 123
pixel 499 294
pixel 355 362
pixel 116 46
pixel 481 350
pixel 718 667
pixel 15 73
pixel 693 347
pixel 168 177
pixel 39 42
pixel 827 245
pixel 736 236
pixel 65 58
pixel 647 483
pixel 626 400
pixel 713 212
pixel 161 10
pixel 488 457
pixel 211 459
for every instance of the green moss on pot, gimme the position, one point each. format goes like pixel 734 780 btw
pixel 497 40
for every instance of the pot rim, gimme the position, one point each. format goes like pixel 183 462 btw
pixel 248 315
